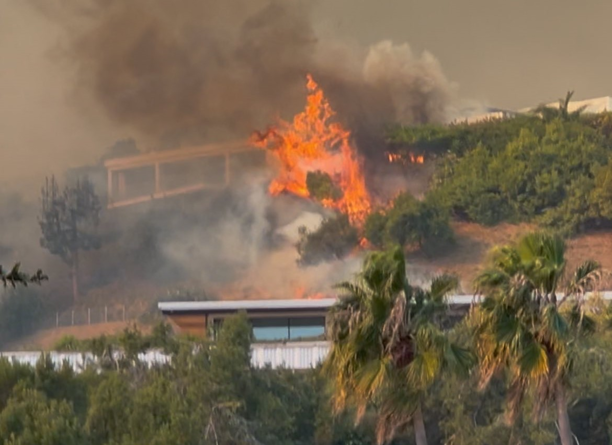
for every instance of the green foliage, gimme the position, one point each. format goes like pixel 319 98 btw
pixel 29 418
pixel 409 222
pixel 68 343
pixel 321 186
pixel 388 349
pixel 523 328
pixel 460 138
pixel 543 178
pixel 548 167
pixel 334 239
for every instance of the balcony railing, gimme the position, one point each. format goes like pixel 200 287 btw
pixel 290 355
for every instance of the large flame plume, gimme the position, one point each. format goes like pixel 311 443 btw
pixel 314 142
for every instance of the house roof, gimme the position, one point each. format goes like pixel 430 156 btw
pixel 279 305
pixel 246 305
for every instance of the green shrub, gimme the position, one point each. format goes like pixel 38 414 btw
pixel 334 239
pixel 321 186
pixel 409 222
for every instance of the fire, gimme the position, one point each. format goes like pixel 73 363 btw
pixel 302 294
pixel 413 159
pixel 313 142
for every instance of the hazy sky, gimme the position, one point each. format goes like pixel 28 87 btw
pixel 505 53
pixel 511 53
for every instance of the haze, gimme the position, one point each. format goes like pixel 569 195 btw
pixel 506 54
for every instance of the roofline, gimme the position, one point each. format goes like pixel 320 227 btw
pixel 296 304
pixel 177 155
pixel 246 305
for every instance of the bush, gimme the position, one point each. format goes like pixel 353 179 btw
pixel 409 222
pixel 548 178
pixel 334 239
pixel 321 187
pixel 69 343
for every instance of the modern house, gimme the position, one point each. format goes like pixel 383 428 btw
pixel 589 106
pixel 289 333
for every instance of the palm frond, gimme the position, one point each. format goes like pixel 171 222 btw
pixel 441 286
pixel 585 278
pixel 533 361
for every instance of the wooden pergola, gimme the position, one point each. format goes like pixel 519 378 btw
pixel 156 175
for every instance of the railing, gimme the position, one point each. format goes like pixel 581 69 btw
pixel 90 316
pixel 297 355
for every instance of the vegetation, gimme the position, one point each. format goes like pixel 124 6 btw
pixel 549 168
pixel 388 348
pixel 20 307
pixel 320 186
pixel 409 222
pixel 397 362
pixel 521 328
pixel 68 222
pixel 334 239
pixel 15 277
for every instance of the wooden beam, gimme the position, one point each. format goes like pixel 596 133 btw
pixel 178 155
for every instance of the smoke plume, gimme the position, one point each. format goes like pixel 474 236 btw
pixel 176 74
pixel 207 70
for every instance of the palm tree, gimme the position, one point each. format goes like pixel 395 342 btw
pixel 561 112
pixel 521 328
pixel 387 346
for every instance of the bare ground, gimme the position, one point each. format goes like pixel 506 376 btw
pixel 45 339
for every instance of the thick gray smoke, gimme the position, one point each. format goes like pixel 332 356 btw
pixel 182 73
pixel 204 69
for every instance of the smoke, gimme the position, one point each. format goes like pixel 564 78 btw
pixel 172 75
pixel 211 70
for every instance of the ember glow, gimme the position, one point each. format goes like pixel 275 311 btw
pixel 409 158
pixel 314 142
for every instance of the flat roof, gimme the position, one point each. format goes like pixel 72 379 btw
pixel 246 305
pixel 294 304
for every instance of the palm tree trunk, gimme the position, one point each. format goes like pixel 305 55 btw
pixel 419 427
pixel 565 431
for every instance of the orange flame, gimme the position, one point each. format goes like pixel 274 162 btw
pixel 312 142
pixel 413 159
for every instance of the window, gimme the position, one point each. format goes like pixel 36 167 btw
pixel 283 328
pixel 270 329
pixel 307 328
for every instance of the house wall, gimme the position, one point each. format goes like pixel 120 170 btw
pixel 196 324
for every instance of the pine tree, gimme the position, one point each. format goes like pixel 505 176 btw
pixel 69 222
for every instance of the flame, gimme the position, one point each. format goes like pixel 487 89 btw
pixel 314 142
pixel 302 294
pixel 413 159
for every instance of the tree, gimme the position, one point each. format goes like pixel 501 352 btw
pixel 30 418
pixel 69 222
pixel 387 345
pixel 334 239
pixel 520 328
pixel 409 222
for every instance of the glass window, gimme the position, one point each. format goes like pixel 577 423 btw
pixel 270 329
pixel 307 328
